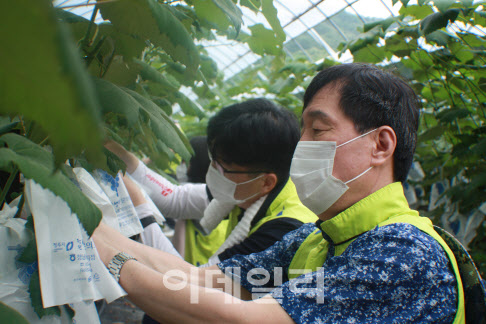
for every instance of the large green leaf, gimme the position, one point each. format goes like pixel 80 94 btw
pixel 36 163
pixel 122 73
pixel 450 115
pixel 44 80
pixel 8 127
pixel 155 22
pixel 480 18
pixel 232 11
pixel 252 4
pixel 149 73
pixel 208 68
pixel 10 315
pixel 418 12
pixel 400 47
pixel 370 54
pixel 370 37
pixel 437 20
pixel 263 41
pixel 164 104
pixel 480 147
pixel 432 133
pixel 125 43
pixel 211 15
pixel 461 52
pixel 444 5
pixel 114 163
pixel 271 14
pixel 472 40
pixel 29 254
pixel 114 99
pixel 439 36
pixel 161 125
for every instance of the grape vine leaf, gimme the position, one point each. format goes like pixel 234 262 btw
pixel 113 99
pixel 29 254
pixel 151 74
pixel 437 20
pixel 263 40
pixel 251 4
pixel 8 127
pixel 232 11
pixel 10 315
pixel 135 107
pixel 211 15
pixel 162 126
pixel 38 164
pixel 114 163
pixel 271 14
pixel 153 21
pixel 51 87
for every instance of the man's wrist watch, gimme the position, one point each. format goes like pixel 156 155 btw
pixel 117 263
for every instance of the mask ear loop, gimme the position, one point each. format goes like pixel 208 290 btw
pixel 354 139
pixel 358 175
pixel 248 181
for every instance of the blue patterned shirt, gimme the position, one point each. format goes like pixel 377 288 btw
pixel 390 274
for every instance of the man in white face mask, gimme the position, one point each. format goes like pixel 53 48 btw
pixel 248 202
pixel 369 258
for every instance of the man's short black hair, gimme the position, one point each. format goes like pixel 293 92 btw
pixel 372 97
pixel 257 134
pixel 199 163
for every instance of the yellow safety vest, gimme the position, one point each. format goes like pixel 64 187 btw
pixel 386 206
pixel 199 248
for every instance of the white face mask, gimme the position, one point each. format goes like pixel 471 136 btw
pixel 223 189
pixel 311 172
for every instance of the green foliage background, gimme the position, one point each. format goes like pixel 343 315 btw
pixel 68 83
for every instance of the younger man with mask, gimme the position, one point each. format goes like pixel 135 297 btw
pixel 251 146
pixel 368 259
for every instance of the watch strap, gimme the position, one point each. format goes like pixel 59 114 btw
pixel 117 263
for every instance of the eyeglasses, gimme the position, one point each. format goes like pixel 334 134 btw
pixel 223 170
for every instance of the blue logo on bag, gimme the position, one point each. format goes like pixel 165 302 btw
pixel 69 246
pixel 113 182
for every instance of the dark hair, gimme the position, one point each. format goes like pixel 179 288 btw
pixel 199 163
pixel 257 134
pixel 371 98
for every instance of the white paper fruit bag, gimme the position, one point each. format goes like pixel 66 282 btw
pixel 96 194
pixel 70 269
pixel 15 275
pixel 116 191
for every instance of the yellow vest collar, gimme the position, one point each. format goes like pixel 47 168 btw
pixel 366 214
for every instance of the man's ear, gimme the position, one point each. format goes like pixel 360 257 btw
pixel 269 182
pixel 385 142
